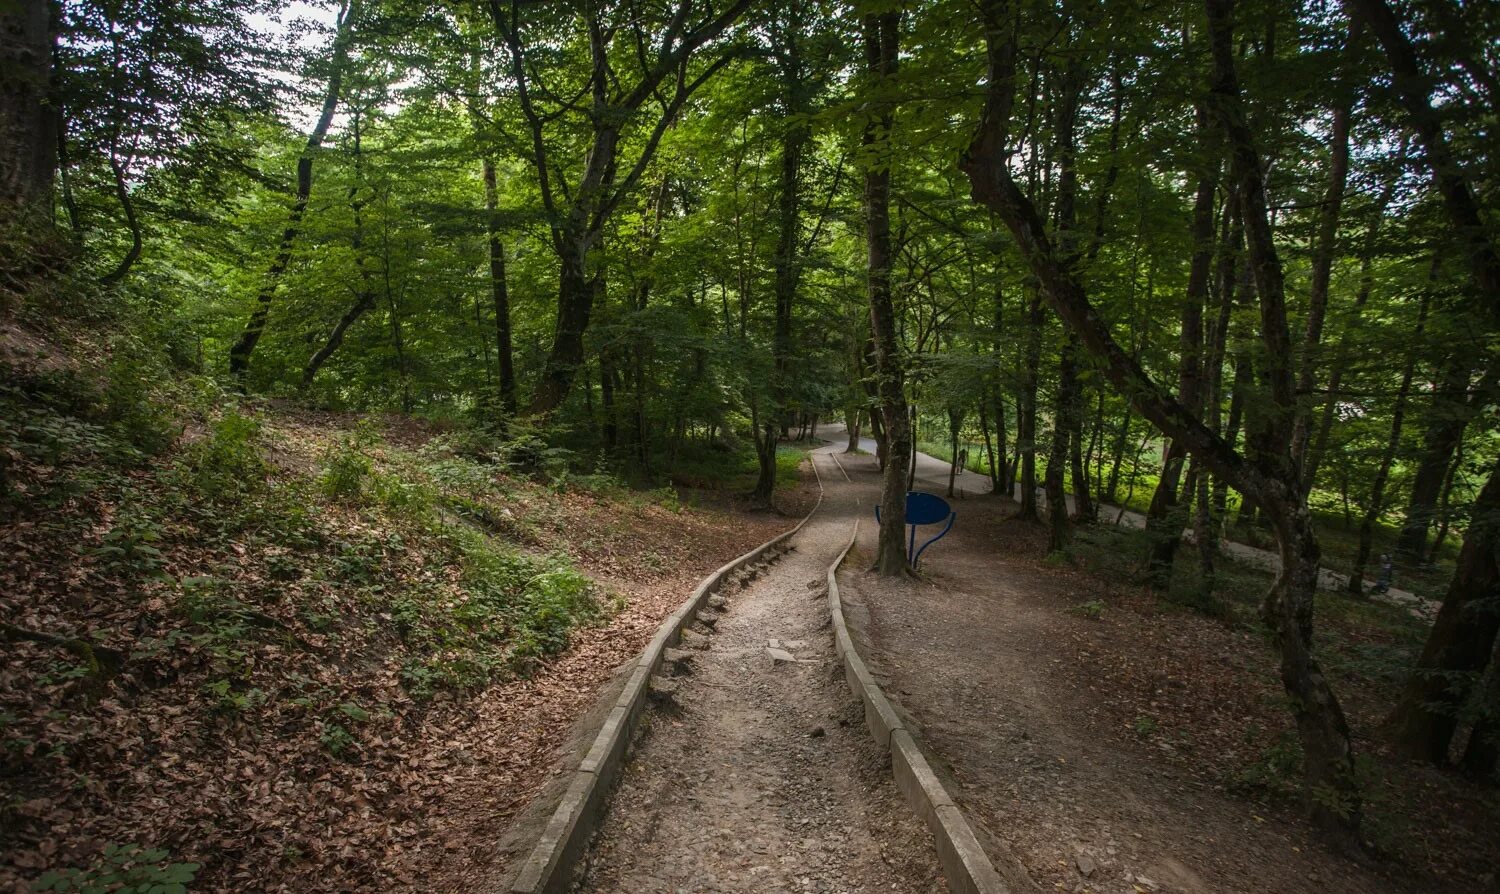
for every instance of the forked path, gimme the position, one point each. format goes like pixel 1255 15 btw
pixel 762 776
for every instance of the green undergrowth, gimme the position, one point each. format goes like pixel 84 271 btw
pixel 731 469
pixel 213 546
pixel 248 577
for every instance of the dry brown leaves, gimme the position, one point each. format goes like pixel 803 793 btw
pixel 421 793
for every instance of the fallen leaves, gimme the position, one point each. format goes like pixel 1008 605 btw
pixel 215 747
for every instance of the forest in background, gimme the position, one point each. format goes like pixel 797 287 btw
pixel 1228 264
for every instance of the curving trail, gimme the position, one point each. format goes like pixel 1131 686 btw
pixel 932 475
pixel 760 775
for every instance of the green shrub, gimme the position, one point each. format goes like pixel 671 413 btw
pixel 555 602
pixel 227 463
pixel 228 699
pixel 346 469
pixel 337 739
pixel 403 495
pixel 129 546
pixel 122 869
pixel 142 417
pixel 1093 609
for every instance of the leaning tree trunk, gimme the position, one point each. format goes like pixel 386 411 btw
pixel 1462 638
pixel 1324 246
pixel 1313 458
pixel 1270 478
pixel 1452 409
pixel 1414 89
pixel 243 347
pixel 880 36
pixel 364 298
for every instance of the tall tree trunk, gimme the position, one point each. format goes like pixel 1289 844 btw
pixel 499 292
pixel 364 297
pixel 1084 510
pixel 1376 503
pixel 611 425
pixel 1067 422
pixel 955 422
pixel 1205 530
pixel 1314 456
pixel 28 122
pixel 1444 513
pixel 244 347
pixel 789 228
pixel 1117 454
pixel 1324 245
pixel 880 38
pixel 1462 638
pixel 1027 406
pixel 989 450
pixel 1332 789
pixel 999 471
pixel 578 215
pixel 575 306
pixel 1058 530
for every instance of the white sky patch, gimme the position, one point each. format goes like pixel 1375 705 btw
pixel 305 28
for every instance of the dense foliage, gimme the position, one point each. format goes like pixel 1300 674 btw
pixel 1230 264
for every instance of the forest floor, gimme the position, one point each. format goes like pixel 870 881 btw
pixel 348 653
pixel 1112 742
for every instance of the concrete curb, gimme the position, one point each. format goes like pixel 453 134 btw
pixel 965 864
pixel 548 868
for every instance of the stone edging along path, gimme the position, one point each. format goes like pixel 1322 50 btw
pixel 548 868
pixel 965 865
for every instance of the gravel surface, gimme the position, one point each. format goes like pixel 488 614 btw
pixel 758 775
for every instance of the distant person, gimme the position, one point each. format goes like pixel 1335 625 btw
pixel 1387 574
pixel 963 459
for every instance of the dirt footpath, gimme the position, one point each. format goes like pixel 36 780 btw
pixel 761 777
pixel 980 655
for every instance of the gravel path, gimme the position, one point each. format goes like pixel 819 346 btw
pixel 760 776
